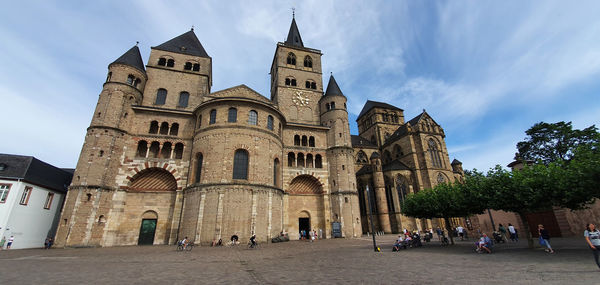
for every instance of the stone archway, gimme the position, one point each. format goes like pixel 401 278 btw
pixel 306 205
pixel 305 185
pixel 153 180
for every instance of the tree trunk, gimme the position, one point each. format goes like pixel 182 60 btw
pixel 526 229
pixel 449 230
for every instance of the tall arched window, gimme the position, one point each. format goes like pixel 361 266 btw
pixel 276 172
pixel 213 116
pixel 300 160
pixel 270 122
pixel 174 129
pixel 387 157
pixel 318 161
pixel 154 149
pixel 165 152
pixel 252 117
pixel 291 59
pixel 153 127
pixel 161 97
pixel 199 159
pixel 142 149
pixel 178 150
pixel 291 159
pixel 311 141
pixel 183 99
pixel 164 128
pixel 401 187
pixel 170 62
pixel 308 62
pixel 304 141
pixel 232 115
pixel 240 164
pixel 309 161
pixel 296 140
pixel 434 154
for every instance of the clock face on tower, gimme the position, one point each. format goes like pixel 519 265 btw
pixel 299 99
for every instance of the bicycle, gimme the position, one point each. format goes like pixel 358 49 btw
pixel 252 245
pixel 182 247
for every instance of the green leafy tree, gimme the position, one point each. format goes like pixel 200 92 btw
pixel 446 200
pixel 548 142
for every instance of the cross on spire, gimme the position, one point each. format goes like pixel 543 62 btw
pixel 293 13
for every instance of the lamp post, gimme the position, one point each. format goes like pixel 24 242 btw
pixel 371 219
pixel 492 220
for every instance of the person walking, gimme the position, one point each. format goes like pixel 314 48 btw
pixel 592 237
pixel 461 233
pixel 545 238
pixel 11 239
pixel 502 231
pixel 2 242
pixel 513 233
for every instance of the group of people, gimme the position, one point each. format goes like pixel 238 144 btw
pixel 408 240
pixel 11 239
pixel 510 233
pixel 309 235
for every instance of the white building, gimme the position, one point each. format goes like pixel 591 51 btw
pixel 31 198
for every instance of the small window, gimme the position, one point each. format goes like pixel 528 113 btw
pixel 136 82
pixel 4 189
pixel 232 115
pixel 174 129
pixel 187 66
pixel 196 67
pixel 178 150
pixel 153 127
pixel 162 61
pixel 311 141
pixel 164 128
pixel 154 149
pixel 199 124
pixel 332 105
pixel 130 79
pixel 199 160
pixel 296 140
pixel 183 99
pixel 26 194
pixel 240 164
pixel 291 159
pixel 291 59
pixel 270 122
pixel 304 141
pixel 307 84
pixel 293 82
pixel 288 81
pixel 309 161
pixel 318 161
pixel 142 149
pixel 252 117
pixel 276 172
pixel 170 63
pixel 161 97
pixel 213 116
pixel 313 85
pixel 48 202
pixel 327 106
pixel 308 62
pixel 300 160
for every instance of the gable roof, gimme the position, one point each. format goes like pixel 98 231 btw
pixel 455 161
pixel 294 38
pixel 396 164
pixel 423 115
pixel 240 91
pixel 374 104
pixel 133 58
pixel 186 43
pixel 358 141
pixel 35 171
pixel 332 88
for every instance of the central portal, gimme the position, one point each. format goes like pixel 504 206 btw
pixel 304 224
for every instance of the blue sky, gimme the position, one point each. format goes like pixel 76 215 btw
pixel 485 70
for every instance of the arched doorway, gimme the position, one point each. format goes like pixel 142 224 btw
pixel 306 211
pixel 148 228
pixel 304 222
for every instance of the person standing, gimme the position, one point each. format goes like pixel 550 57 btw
pixel 2 242
pixel 545 237
pixel 502 231
pixel 513 233
pixel 461 233
pixel 11 239
pixel 592 237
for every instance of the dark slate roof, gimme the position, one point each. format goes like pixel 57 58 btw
pixel 455 161
pixel 416 119
pixel 364 170
pixel 396 165
pixel 358 141
pixel 35 171
pixel 294 38
pixel 375 155
pixel 332 88
pixel 132 58
pixel 373 104
pixel 186 43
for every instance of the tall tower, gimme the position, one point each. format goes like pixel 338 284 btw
pixel 99 161
pixel 296 79
pixel 340 156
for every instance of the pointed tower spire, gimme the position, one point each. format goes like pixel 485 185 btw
pixel 332 88
pixel 186 43
pixel 293 38
pixel 132 58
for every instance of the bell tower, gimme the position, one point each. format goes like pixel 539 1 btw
pixel 296 79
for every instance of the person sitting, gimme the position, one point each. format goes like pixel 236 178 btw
pixel 485 243
pixel 399 243
pixel 234 239
pixel 220 242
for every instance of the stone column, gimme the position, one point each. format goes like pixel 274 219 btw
pixel 380 197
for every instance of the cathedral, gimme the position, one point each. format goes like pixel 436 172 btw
pixel 166 157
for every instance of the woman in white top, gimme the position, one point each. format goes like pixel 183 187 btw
pixel 592 236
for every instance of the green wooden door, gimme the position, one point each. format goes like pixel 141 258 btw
pixel 147 232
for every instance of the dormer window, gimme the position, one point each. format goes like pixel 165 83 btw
pixel 162 61
pixel 291 59
pixel 308 62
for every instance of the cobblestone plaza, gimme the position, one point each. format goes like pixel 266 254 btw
pixel 337 261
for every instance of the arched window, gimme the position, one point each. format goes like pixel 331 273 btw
pixel 136 82
pixel 199 159
pixel 291 159
pixel 401 187
pixel 291 59
pixel 313 85
pixel 293 82
pixel 161 96
pixel 318 161
pixel 178 150
pixel 300 160
pixel 311 141
pixel 308 62
pixel 361 157
pixel 162 61
pixel 154 149
pixel 252 117
pixel 187 66
pixel 327 106
pixel 183 99
pixel 398 151
pixel 165 152
pixel 170 62
pixel 130 79
pixel 332 105
pixel 304 141
pixel 270 122
pixel 441 178
pixel 142 148
pixel 164 128
pixel 240 164
pixel 276 172
pixel 296 140
pixel 196 67
pixel 213 116
pixel 387 157
pixel 288 81
pixel 232 115
pixel 174 129
pixel 309 161
pixel 307 84
pixel 153 127
pixel 434 154
pixel 108 76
